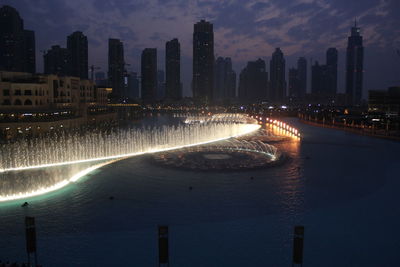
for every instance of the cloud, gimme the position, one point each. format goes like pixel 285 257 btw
pixel 244 30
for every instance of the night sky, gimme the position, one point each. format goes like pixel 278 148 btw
pixel 244 30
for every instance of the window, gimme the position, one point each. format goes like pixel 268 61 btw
pixel 6 92
pixel 17 92
pixel 6 102
pixel 17 102
pixel 28 92
pixel 28 102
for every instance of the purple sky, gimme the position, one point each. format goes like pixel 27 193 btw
pixel 244 30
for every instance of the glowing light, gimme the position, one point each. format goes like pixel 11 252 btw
pixel 248 129
pixel 55 187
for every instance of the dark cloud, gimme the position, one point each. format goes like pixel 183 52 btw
pixel 244 30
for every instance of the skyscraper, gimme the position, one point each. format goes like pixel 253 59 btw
pixel 116 68
pixel 203 62
pixel 29 51
pixel 253 83
pixel 160 84
pixel 133 85
pixel 277 77
pixel 319 81
pixel 294 83
pixel 77 45
pixel 354 65
pixel 149 75
pixel 302 77
pixel 332 68
pixel 173 84
pixel 225 81
pixel 56 61
pixel 17 45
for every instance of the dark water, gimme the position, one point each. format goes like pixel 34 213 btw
pixel 343 188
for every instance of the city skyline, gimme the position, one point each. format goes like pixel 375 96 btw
pixel 231 37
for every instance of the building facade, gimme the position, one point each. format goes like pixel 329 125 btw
pixel 33 104
pixel 354 65
pixel 253 82
pixel 173 85
pixel 56 61
pixel 149 75
pixel 116 69
pixel 17 45
pixel 332 68
pixel 203 62
pixel 224 81
pixel 277 77
pixel 77 45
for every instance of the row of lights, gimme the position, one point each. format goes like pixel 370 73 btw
pixel 280 125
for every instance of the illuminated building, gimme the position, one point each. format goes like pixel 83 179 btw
pixel 32 104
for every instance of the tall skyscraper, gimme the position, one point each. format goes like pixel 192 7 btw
pixel 225 81
pixel 56 61
pixel 160 84
pixel 173 84
pixel 17 45
pixel 319 81
pixel 116 68
pixel 253 83
pixel 29 51
pixel 332 69
pixel 302 77
pixel 277 77
pixel 354 65
pixel 133 85
pixel 149 75
pixel 77 45
pixel 203 62
pixel 294 83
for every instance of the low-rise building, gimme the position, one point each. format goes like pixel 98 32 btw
pixel 387 102
pixel 32 104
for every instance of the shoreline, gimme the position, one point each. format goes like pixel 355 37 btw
pixel 351 130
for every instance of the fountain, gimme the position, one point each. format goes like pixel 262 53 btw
pixel 36 166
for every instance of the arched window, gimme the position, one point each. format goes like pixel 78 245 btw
pixel 17 102
pixel 6 102
pixel 28 102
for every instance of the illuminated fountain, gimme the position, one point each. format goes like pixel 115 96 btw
pixel 36 166
pixel 232 154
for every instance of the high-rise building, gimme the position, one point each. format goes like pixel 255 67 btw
pixel 224 81
pixel 173 84
pixel 277 77
pixel 160 84
pixel 332 69
pixel 116 68
pixel 29 51
pixel 319 81
pixel 203 62
pixel 149 75
pixel 56 61
pixel 17 45
pixel 253 82
pixel 354 65
pixel 133 85
pixel 294 83
pixel 302 77
pixel 77 45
